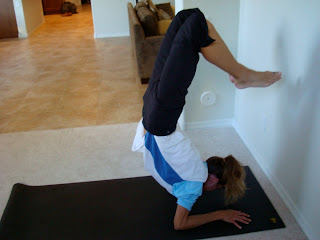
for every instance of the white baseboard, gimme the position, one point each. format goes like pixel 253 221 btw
pixel 305 226
pixel 35 28
pixel 27 34
pixel 108 35
pixel 22 35
pixel 207 124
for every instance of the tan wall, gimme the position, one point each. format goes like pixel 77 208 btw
pixel 29 16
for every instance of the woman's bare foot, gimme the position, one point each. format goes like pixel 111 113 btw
pixel 250 78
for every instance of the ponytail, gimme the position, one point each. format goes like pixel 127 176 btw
pixel 231 175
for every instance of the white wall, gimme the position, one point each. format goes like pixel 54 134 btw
pixel 110 18
pixel 179 5
pixel 21 23
pixel 33 14
pixel 281 124
pixel 29 16
pixel 225 17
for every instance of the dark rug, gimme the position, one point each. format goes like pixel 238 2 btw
pixel 133 208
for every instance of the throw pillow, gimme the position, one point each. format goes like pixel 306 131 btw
pixel 148 21
pixel 167 8
pixel 153 8
pixel 140 4
pixel 164 15
pixel 163 26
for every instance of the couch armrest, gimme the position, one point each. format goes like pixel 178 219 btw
pixel 148 50
pixel 151 46
pixel 154 39
pixel 136 29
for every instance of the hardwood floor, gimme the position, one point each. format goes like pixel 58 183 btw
pixel 61 77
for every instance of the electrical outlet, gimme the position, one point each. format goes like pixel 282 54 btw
pixel 208 98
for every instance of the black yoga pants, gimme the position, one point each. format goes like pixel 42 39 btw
pixel 173 71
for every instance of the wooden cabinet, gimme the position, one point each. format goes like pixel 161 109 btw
pixel 8 26
pixel 52 6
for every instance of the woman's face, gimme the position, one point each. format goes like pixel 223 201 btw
pixel 212 183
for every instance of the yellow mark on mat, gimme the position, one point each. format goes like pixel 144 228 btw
pixel 273 220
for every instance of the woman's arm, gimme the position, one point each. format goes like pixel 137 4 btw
pixel 183 221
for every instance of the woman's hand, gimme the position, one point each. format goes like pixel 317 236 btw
pixel 231 216
pixel 183 221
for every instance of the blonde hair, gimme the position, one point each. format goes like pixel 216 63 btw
pixel 231 175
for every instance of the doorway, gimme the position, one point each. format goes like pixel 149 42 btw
pixel 52 6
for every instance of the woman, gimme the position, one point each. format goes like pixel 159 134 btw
pixel 176 165
pixel 169 155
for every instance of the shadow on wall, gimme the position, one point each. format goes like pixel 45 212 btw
pixel 298 103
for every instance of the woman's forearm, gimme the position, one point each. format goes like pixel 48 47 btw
pixel 197 220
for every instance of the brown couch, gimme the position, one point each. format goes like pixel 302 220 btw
pixel 144 47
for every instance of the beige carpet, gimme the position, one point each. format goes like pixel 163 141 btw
pixel 104 152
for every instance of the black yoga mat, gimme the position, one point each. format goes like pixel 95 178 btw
pixel 133 208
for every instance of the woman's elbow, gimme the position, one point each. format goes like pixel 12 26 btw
pixel 178 226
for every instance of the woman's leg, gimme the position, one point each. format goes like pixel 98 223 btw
pixel 218 54
pixel 180 63
pixel 173 72
pixel 167 42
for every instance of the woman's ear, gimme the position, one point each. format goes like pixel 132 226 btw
pixel 211 183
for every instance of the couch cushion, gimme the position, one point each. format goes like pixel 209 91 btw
pixel 153 8
pixel 140 4
pixel 148 21
pixel 167 8
pixel 144 4
pixel 163 26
